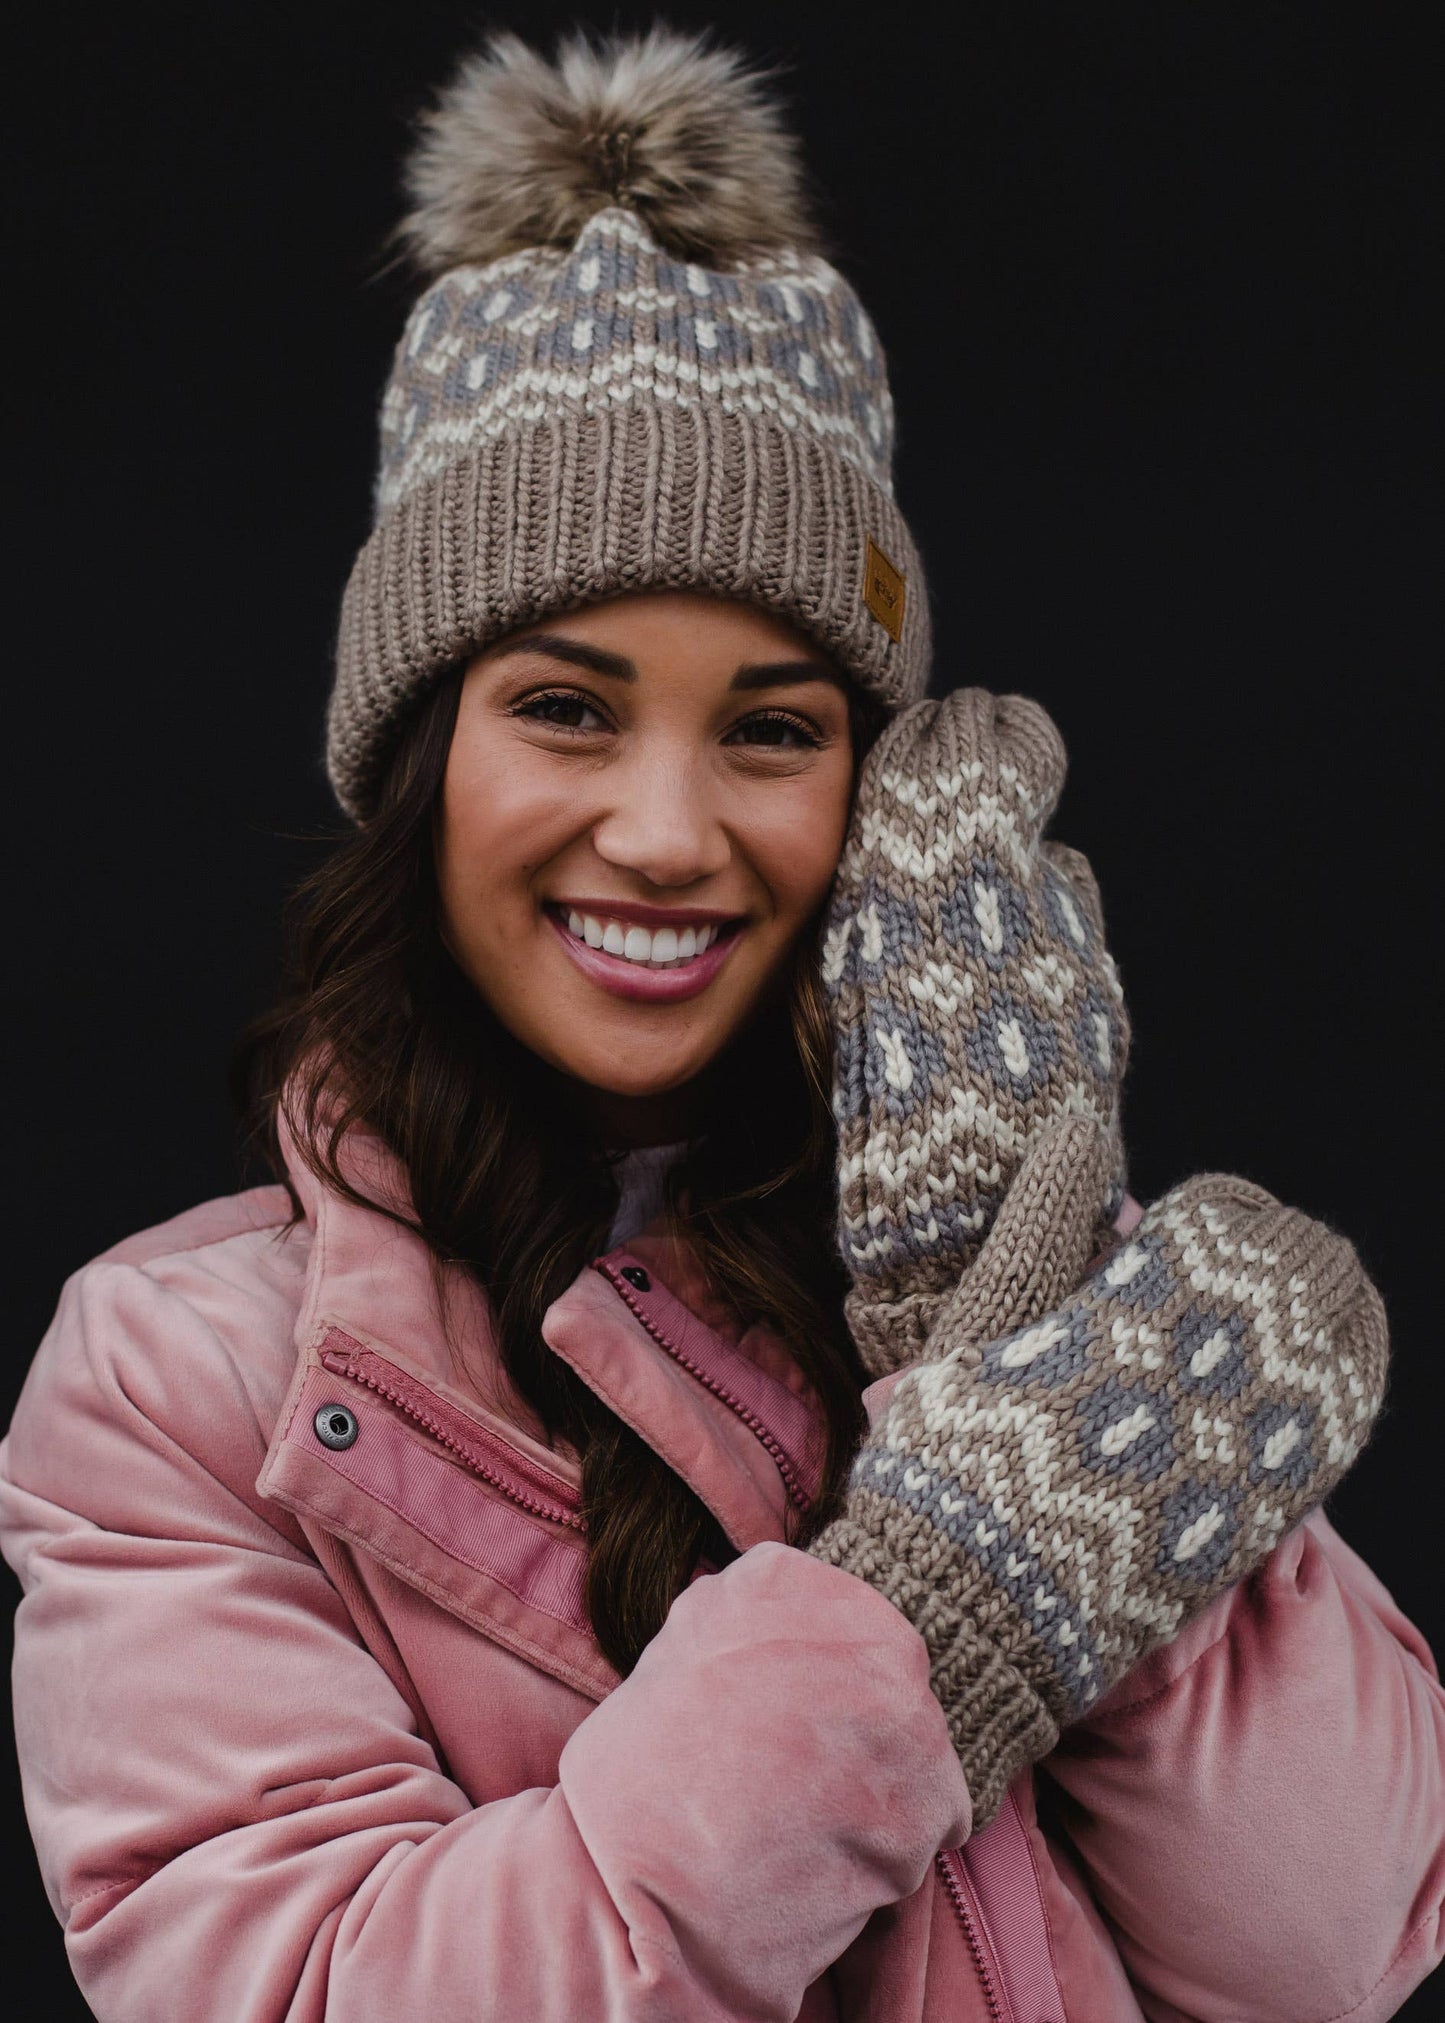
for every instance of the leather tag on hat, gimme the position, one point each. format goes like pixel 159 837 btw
pixel 884 590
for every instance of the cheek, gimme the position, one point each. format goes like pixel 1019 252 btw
pixel 795 842
pixel 500 818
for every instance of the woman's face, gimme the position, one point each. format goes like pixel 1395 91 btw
pixel 644 804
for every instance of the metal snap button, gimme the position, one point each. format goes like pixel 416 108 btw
pixel 335 1426
pixel 635 1275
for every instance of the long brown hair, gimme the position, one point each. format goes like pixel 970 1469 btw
pixel 378 1026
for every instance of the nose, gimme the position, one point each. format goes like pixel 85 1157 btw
pixel 663 823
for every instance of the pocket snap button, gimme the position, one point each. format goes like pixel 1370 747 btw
pixel 335 1426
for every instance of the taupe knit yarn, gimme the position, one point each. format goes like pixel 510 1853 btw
pixel 630 371
pixel 973 1002
pixel 1073 1465
pixel 1049 1503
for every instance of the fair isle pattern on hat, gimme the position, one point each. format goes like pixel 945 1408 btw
pixel 616 321
pixel 608 411
pixel 973 1001
pixel 1050 1506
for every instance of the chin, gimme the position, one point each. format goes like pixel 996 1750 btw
pixel 610 1078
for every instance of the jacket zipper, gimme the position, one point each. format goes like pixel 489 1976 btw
pixel 519 1480
pixel 761 1433
pixel 949 1867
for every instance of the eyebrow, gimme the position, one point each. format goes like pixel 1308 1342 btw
pixel 774 673
pixel 596 659
pixel 552 646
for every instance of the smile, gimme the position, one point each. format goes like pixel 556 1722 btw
pixel 655 960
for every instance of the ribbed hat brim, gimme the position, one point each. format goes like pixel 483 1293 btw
pixel 566 509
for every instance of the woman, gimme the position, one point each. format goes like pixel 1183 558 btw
pixel 453 1583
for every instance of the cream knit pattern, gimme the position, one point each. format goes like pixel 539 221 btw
pixel 1049 1505
pixel 974 1001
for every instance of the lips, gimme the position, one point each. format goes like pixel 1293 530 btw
pixel 662 959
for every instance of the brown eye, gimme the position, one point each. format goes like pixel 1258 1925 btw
pixel 776 731
pixel 562 708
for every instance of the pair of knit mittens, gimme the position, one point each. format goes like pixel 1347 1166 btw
pixel 1092 1439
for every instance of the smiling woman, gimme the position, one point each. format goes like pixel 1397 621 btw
pixel 642 812
pixel 474 1576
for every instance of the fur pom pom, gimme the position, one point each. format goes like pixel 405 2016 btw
pixel 519 151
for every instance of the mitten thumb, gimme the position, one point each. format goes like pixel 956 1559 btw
pixel 1047 1229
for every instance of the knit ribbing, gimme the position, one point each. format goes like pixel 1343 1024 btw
pixel 568 425
pixel 655 499
pixel 996 1719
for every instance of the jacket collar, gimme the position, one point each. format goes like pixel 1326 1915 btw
pixel 448 1478
pixel 726 1407
pixel 373 1277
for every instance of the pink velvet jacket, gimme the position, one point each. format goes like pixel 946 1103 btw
pixel 312 1723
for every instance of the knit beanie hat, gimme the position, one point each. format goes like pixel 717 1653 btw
pixel 631 369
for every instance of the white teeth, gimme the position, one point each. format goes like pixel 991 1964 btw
pixel 662 948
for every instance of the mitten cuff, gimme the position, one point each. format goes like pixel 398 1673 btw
pixel 996 1719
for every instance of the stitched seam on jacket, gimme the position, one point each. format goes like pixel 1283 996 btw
pixel 442 1545
pixel 268 1226
pixel 1392 1962
pixel 103 1889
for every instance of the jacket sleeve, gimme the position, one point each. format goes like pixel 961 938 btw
pixel 237 1818
pixel 1259 1807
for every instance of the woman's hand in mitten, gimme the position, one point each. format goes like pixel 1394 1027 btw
pixel 1049 1505
pixel 973 1002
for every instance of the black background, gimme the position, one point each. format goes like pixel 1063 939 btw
pixel 1155 290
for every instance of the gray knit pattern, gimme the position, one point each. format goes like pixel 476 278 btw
pixel 615 320
pixel 974 1002
pixel 1049 1505
pixel 561 426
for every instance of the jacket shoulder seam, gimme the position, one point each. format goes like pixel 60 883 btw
pixel 120 1253
pixel 203 1243
pixel 126 1883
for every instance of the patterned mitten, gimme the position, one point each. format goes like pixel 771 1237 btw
pixel 1048 1505
pixel 973 1002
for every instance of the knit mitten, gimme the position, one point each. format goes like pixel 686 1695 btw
pixel 973 1002
pixel 1048 1505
